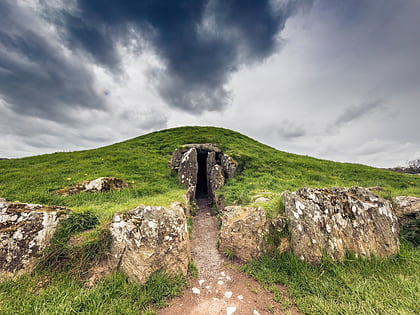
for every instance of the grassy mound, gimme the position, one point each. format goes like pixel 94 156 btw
pixel 143 163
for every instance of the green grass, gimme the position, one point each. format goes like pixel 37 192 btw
pixel 143 163
pixel 355 286
pixel 61 294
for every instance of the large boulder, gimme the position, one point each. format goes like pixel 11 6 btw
pixel 101 184
pixel 25 231
pixel 333 221
pixel 243 231
pixel 148 239
pixel 408 212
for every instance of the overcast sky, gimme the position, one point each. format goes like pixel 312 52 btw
pixel 334 79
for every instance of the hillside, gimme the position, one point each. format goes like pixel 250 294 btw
pixel 58 285
pixel 143 163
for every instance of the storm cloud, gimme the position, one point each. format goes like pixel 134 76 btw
pixel 37 77
pixel 199 42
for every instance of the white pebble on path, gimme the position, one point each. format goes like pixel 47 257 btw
pixel 196 290
pixel 256 312
pixel 223 273
pixel 230 310
pixel 220 282
pixel 228 294
pixel 240 297
pixel 228 278
pixel 200 282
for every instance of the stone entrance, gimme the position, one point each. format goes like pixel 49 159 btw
pixel 202 168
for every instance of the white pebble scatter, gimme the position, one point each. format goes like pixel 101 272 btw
pixel 230 310
pixel 196 290
pixel 200 282
pixel 228 294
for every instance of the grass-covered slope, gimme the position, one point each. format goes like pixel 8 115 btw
pixel 143 163
pixel 389 286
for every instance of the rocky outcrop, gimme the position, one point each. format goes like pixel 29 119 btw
pixel 408 212
pixel 148 239
pixel 25 231
pixel 243 231
pixel 333 221
pixel 101 184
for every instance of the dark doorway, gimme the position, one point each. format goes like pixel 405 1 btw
pixel 202 189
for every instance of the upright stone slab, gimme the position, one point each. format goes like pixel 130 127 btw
pixel 25 231
pixel 188 168
pixel 148 239
pixel 243 231
pixel 333 221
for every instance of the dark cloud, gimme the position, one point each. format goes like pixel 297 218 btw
pixel 37 78
pixel 201 42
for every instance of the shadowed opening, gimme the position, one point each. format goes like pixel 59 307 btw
pixel 202 189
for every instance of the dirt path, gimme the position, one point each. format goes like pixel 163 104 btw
pixel 220 288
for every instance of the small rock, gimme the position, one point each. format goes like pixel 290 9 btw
pixel 240 297
pixel 228 294
pixel 261 199
pixel 230 310
pixel 196 290
pixel 220 282
pixel 256 312
pixel 200 282
pixel 223 273
pixel 228 278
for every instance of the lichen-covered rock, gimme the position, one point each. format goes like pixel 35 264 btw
pixel 408 213
pixel 176 158
pixel 407 205
pixel 229 165
pixel 25 231
pixel 217 179
pixel 188 168
pixel 101 184
pixel 148 239
pixel 333 221
pixel 243 231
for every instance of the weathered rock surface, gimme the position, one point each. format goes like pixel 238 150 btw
pixel 148 239
pixel 407 205
pixel 243 231
pixel 25 231
pixel 101 184
pixel 408 212
pixel 217 179
pixel 333 221
pixel 229 165
pixel 188 168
